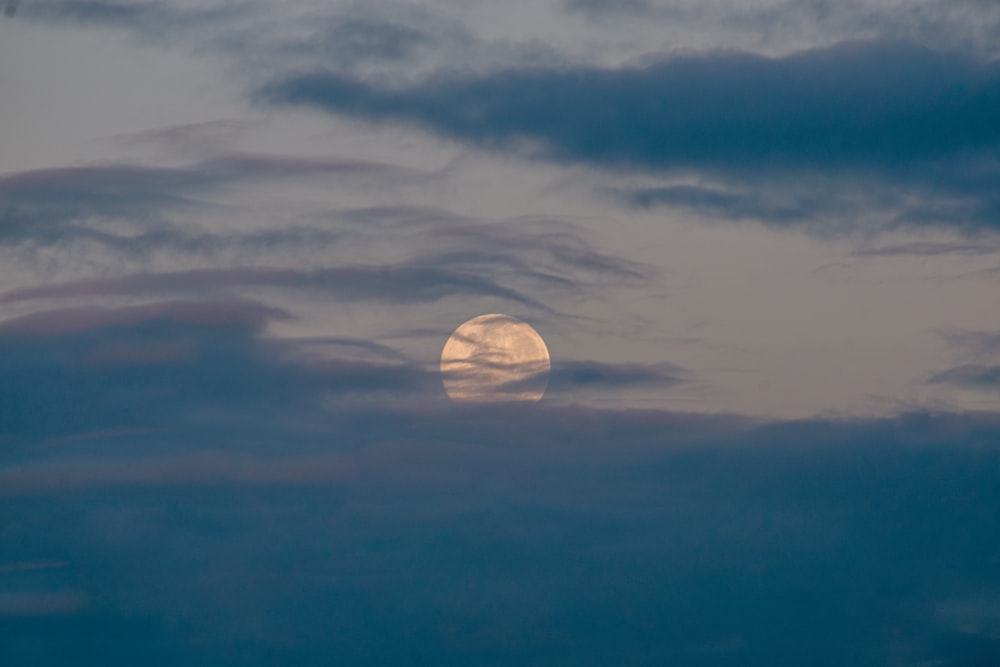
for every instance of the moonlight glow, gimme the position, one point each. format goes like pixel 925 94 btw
pixel 495 358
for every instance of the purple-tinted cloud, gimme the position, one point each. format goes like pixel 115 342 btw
pixel 229 313
pixel 399 284
pixel 52 205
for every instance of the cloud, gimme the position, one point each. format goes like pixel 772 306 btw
pixel 141 181
pixel 527 261
pixel 971 376
pixel 154 19
pixel 853 104
pixel 975 343
pixel 258 37
pixel 776 24
pixel 358 38
pixel 188 138
pixel 169 484
pixel 933 248
pixel 508 532
pixel 241 314
pixel 602 7
pixel 861 118
pixel 570 375
pixel 979 352
pixel 777 206
pixel 57 204
pixel 135 370
pixel 394 284
pixel 551 250
pixel 168 364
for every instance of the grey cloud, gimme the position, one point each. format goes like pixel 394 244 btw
pixel 259 36
pixel 31 201
pixel 974 343
pixel 979 352
pixel 188 138
pixel 397 284
pixel 569 375
pixel 406 217
pixel 138 369
pixel 355 38
pixel 952 23
pixel 567 378
pixel 932 248
pixel 449 254
pixel 742 203
pixel 249 165
pixel 154 19
pixel 853 104
pixel 606 7
pixel 244 314
pixel 840 203
pixel 833 129
pixel 972 376
pixel 526 244
pixel 53 204
pixel 49 206
pixel 357 345
pixel 107 180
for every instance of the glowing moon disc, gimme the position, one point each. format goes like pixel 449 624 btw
pixel 495 359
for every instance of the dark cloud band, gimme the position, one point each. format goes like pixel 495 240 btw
pixel 854 104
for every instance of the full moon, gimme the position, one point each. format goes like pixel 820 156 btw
pixel 495 359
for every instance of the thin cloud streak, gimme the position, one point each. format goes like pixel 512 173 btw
pixel 42 202
pixel 396 284
pixel 972 376
pixel 205 313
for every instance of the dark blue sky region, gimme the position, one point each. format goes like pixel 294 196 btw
pixel 761 241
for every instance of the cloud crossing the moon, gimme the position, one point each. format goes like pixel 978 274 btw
pixel 495 358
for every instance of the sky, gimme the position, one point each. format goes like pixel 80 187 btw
pixel 761 242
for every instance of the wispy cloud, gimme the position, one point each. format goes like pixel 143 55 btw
pixel 243 314
pixel 979 355
pixel 571 375
pixel 49 206
pixel 260 37
pixel 397 284
pixel 156 19
pixel 777 23
pixel 932 248
pixel 971 376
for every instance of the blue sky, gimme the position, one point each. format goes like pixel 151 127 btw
pixel 761 241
